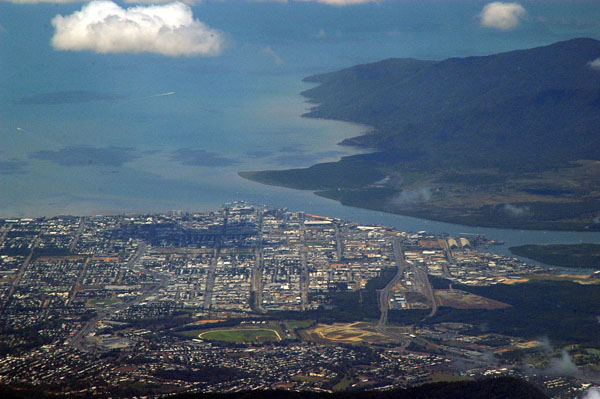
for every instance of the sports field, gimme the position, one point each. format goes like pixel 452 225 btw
pixel 240 335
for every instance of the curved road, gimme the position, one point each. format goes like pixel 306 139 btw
pixel 385 293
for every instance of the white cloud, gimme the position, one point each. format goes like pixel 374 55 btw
pixel 192 2
pixel 105 27
pixel 562 366
pixel 595 64
pixel 270 52
pixel 504 16
pixel 44 1
pixel 407 197
pixel 328 2
pixel 516 211
pixel 343 2
pixel 592 393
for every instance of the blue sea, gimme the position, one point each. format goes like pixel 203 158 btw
pixel 87 133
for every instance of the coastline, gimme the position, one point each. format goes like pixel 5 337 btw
pixel 349 196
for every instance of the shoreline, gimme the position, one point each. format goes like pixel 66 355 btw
pixel 330 180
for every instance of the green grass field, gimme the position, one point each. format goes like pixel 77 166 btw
pixel 343 385
pixel 300 324
pixel 190 333
pixel 303 378
pixel 241 335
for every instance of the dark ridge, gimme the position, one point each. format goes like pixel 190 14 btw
pixel 515 104
pixel 497 388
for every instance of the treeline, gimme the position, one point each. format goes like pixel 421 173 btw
pixel 572 255
pixel 206 374
pixel 564 311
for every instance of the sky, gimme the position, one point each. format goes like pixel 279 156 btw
pixel 154 105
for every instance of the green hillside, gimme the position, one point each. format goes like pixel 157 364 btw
pixel 506 140
pixel 527 108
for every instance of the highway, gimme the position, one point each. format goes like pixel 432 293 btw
pixel 141 250
pixel 77 236
pixel 423 281
pixel 304 276
pixel 386 292
pixel 257 285
pixel 80 278
pixel 210 280
pixel 77 339
pixel 338 243
pixel 304 279
pixel 4 233
pixel 449 258
pixel 212 271
pixel 90 326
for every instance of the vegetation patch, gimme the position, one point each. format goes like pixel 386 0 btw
pixel 563 311
pixel 299 324
pixel 572 255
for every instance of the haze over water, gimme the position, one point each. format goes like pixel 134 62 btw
pixel 88 133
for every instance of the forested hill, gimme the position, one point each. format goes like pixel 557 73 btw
pixel 541 103
pixel 506 140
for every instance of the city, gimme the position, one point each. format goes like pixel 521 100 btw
pixel 248 297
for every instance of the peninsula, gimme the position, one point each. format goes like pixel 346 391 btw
pixel 507 140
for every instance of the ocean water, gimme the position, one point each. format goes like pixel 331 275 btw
pixel 87 133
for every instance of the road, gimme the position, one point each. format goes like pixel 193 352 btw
pixel 212 271
pixel 338 243
pixel 77 236
pixel 141 250
pixel 210 280
pixel 449 258
pixel 4 233
pixel 304 275
pixel 386 292
pixel 77 339
pixel 90 326
pixel 304 279
pixel 423 281
pixel 257 270
pixel 15 282
pixel 77 285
